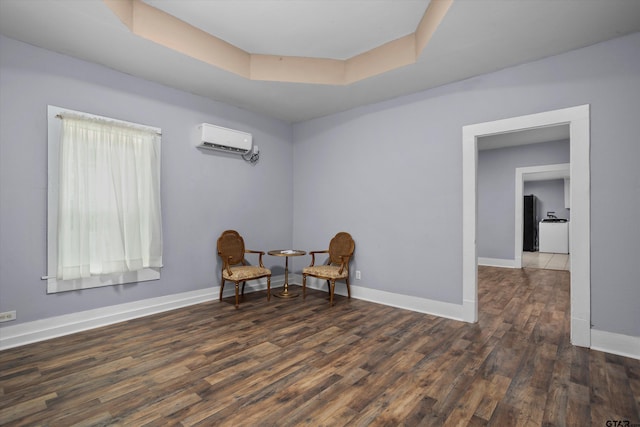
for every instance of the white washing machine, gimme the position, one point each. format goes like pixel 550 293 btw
pixel 553 237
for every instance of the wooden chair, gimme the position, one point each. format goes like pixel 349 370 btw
pixel 340 252
pixel 235 268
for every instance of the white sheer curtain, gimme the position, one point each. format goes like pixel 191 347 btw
pixel 109 218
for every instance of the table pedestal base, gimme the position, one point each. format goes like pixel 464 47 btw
pixel 286 254
pixel 286 294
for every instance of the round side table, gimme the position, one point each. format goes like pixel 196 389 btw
pixel 286 253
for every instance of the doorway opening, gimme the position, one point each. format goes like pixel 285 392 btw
pixel 528 174
pixel 579 140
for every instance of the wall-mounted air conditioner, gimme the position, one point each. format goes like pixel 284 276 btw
pixel 214 137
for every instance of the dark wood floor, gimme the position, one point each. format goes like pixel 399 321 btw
pixel 294 362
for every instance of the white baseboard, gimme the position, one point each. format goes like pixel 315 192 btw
pixel 421 305
pixel 40 330
pixel 609 342
pixel 497 262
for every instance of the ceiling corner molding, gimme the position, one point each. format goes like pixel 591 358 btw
pixel 296 69
pixel 389 56
pixel 167 30
pixel 429 23
pixel 164 29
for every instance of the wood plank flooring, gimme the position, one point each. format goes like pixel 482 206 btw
pixel 300 362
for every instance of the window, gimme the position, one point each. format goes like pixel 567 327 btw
pixel 104 219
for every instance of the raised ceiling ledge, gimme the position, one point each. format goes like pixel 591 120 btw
pixel 165 29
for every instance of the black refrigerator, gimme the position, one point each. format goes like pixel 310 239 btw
pixel 530 224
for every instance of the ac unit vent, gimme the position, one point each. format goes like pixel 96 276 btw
pixel 214 137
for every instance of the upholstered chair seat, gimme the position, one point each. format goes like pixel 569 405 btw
pixel 328 271
pixel 244 272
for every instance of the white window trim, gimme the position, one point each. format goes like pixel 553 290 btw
pixel 53 284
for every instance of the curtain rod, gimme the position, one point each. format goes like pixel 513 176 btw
pixel 141 127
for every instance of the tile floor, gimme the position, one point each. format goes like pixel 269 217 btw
pixel 546 261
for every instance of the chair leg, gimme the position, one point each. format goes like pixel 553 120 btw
pixel 237 299
pixel 332 288
pixel 304 286
pixel 221 288
pixel 243 283
pixel 348 288
pixel 268 288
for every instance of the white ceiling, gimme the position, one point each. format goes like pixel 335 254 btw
pixel 475 37
pixel 307 28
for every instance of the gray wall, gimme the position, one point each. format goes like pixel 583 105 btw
pixel 202 193
pixel 391 175
pixel 496 192
pixel 550 194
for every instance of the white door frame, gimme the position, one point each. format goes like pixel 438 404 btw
pixel 580 234
pixel 550 172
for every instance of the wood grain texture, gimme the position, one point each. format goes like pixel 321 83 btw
pixel 301 362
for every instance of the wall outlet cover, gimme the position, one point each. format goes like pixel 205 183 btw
pixel 7 316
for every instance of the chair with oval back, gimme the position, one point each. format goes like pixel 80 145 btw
pixel 235 268
pixel 340 252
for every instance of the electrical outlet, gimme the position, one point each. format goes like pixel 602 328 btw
pixel 358 275
pixel 8 316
